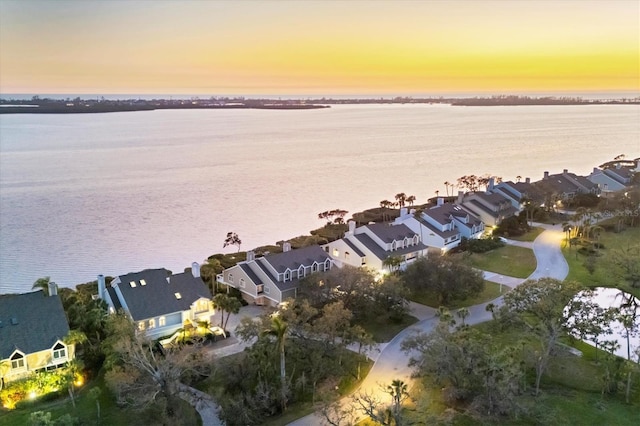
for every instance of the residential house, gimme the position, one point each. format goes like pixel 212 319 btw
pixel 443 226
pixel 615 178
pixel 370 245
pixel 519 192
pixel 492 207
pixel 271 279
pixel 32 331
pixel 564 186
pixel 157 301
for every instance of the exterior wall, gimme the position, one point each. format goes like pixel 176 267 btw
pixel 173 322
pixel 37 361
pixel 605 183
pixel 342 248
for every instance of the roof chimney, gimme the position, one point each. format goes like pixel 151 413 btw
pixel 527 180
pixel 286 246
pixel 352 227
pixel 490 184
pixel 565 171
pixel 251 256
pixel 195 270
pixel 403 211
pixel 460 197
pixel 53 288
pixel 440 201
pixel 102 288
pixel 546 175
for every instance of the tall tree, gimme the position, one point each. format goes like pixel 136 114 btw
pixel 232 240
pixel 279 330
pixel 226 304
pixel 543 304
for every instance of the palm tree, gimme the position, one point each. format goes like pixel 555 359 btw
pixel 462 313
pixel 42 283
pixel 279 329
pixel 411 199
pixel 392 263
pixel 446 185
pixel 399 392
pixel 401 197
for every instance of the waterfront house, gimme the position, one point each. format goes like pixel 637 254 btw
pixel 564 186
pixel 158 302
pixel 519 192
pixel 443 226
pixel 370 245
pixel 32 331
pixel 271 279
pixel 492 207
pixel 616 177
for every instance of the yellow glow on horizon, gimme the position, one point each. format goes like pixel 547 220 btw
pixel 319 47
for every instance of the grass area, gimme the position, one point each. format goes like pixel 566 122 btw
pixel 383 329
pixel 490 292
pixel 602 276
pixel 529 236
pixel 513 261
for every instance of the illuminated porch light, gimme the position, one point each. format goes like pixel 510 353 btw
pixel 32 395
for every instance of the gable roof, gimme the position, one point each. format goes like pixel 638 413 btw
pixel 380 252
pixel 158 296
pixel 389 233
pixel 292 259
pixel 40 322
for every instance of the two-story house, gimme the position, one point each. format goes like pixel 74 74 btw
pixel 271 279
pixel 32 329
pixel 491 207
pixel 158 302
pixel 370 245
pixel 564 186
pixel 519 192
pixel 614 178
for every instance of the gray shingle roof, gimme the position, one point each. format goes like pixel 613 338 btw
pixel 157 297
pixel 381 253
pixel 252 275
pixel 353 247
pixel 389 233
pixel 41 321
pixel 292 259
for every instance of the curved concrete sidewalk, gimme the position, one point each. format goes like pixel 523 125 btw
pixel 392 362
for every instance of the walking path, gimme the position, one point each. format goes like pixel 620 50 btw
pixel 392 362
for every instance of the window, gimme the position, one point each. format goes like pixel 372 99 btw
pixel 178 296
pixel 327 265
pixel 287 275
pixel 143 282
pixel 162 321
pixel 242 282
pixel 59 351
pixel 346 255
pixel 132 284
pixel 17 361
pixel 314 267
pixel 266 290
pixel 301 271
pixel 231 278
pixel 141 326
pixel 152 323
pixel 260 288
pixel 415 240
pixel 393 245
pixel 202 305
pixel 336 252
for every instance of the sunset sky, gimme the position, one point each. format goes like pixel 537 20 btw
pixel 319 48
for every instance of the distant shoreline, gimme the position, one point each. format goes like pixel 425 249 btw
pixel 38 105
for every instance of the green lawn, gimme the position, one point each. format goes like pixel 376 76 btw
pixel 602 276
pixel 512 261
pixel 384 329
pixel 529 236
pixel 490 292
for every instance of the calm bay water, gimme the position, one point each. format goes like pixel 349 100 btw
pixel 82 195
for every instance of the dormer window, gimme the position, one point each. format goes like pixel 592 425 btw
pixel 416 240
pixel 59 351
pixel 314 267
pixel 301 271
pixel 327 265
pixel 287 275
pixel 132 284
pixel 393 245
pixel 17 361
pixel 405 242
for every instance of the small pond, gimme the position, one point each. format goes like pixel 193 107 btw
pixel 614 298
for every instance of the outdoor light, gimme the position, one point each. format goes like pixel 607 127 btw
pixel 32 395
